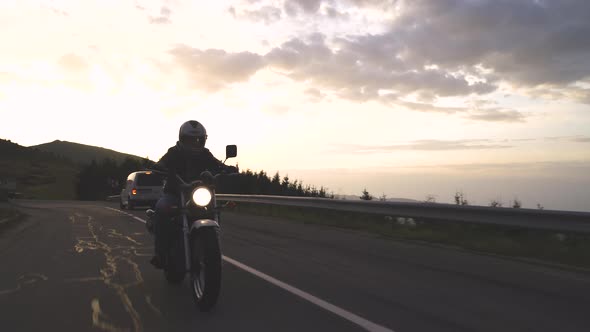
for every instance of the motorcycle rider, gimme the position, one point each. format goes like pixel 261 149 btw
pixel 188 158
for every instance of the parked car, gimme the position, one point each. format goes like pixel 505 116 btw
pixel 142 188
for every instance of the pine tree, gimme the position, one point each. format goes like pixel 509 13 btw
pixel 366 196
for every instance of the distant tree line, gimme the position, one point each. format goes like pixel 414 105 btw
pixel 259 183
pixel 98 180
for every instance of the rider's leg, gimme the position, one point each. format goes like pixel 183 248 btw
pixel 164 212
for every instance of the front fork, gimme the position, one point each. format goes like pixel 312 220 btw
pixel 185 232
pixel 187 235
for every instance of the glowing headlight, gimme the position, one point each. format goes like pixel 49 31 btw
pixel 202 196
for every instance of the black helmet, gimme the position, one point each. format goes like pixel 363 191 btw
pixel 192 136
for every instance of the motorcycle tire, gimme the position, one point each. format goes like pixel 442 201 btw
pixel 206 268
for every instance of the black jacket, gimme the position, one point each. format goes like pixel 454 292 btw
pixel 189 165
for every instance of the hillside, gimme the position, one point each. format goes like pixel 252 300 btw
pixel 82 154
pixel 38 174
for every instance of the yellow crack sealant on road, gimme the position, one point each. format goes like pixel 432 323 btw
pixel 114 233
pixel 148 300
pixel 25 279
pixel 96 318
pixel 109 271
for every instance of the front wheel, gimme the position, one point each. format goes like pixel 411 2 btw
pixel 206 268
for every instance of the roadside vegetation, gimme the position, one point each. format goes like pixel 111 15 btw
pixel 569 249
pixel 38 174
pixel 65 170
pixel 260 183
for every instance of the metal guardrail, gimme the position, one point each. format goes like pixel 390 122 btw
pixel 527 218
pixel 569 221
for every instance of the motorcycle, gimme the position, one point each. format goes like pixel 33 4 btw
pixel 193 240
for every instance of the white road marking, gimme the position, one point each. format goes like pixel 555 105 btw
pixel 360 321
pixel 139 219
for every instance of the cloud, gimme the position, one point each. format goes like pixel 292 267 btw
pixel 277 109
pixel 425 145
pixel 311 7
pixel 520 140
pixel 165 11
pixel 575 139
pixel 138 6
pixel 314 94
pixel 75 71
pixel 527 43
pixel 255 10
pixel 335 73
pixel 568 167
pixel 265 14
pixel 361 69
pixel 163 18
pixel 334 13
pixel 439 48
pixel 293 7
pixel 72 63
pixel 555 92
pixel 479 110
pixel 374 3
pixel 496 115
pixel 56 11
pixel 212 69
pixel 424 107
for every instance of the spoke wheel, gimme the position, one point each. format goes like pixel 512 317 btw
pixel 206 268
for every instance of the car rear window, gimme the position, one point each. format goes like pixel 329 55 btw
pixel 150 180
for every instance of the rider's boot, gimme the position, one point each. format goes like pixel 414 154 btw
pixel 157 262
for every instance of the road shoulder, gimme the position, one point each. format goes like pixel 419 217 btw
pixel 10 216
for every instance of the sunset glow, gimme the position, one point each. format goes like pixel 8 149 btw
pixel 405 98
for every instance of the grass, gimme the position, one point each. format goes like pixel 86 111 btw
pixel 38 174
pixel 42 179
pixel 572 249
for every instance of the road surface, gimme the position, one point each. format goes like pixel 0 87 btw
pixel 83 266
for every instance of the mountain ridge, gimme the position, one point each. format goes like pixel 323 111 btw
pixel 82 153
pixel 37 174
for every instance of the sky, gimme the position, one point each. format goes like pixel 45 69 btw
pixel 407 99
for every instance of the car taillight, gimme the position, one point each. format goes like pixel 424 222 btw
pixel 133 191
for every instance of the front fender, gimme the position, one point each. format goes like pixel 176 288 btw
pixel 203 223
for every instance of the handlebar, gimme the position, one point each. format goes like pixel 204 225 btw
pixel 184 184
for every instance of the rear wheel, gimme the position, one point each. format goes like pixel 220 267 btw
pixel 206 268
pixel 130 204
pixel 121 206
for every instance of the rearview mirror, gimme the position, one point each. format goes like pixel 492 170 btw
pixel 231 151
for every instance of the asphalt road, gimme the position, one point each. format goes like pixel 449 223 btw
pixel 73 266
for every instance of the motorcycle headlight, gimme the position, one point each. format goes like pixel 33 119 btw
pixel 202 196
